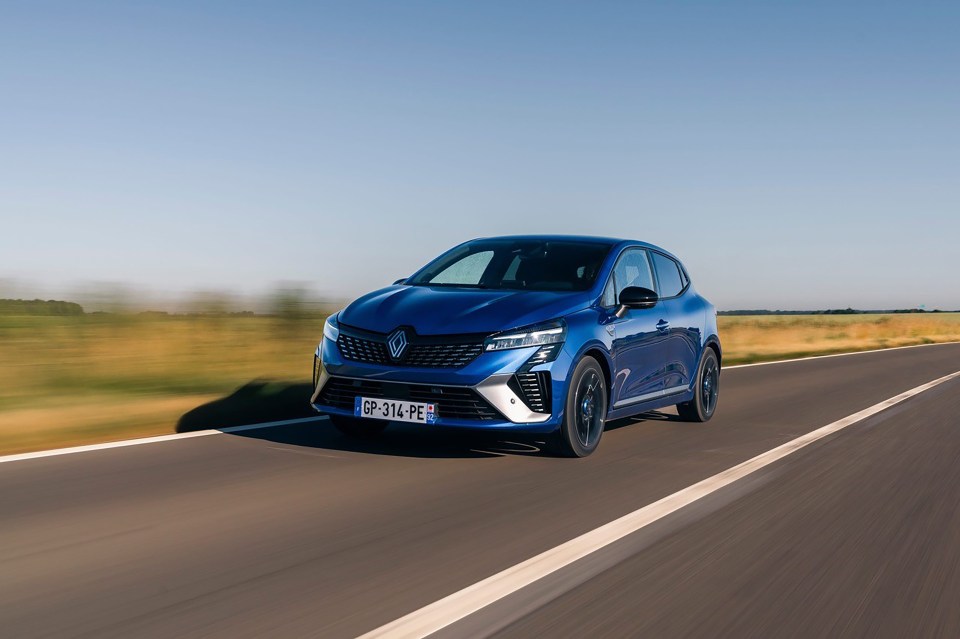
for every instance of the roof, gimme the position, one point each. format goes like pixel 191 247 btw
pixel 611 241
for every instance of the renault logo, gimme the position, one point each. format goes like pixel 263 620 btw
pixel 397 343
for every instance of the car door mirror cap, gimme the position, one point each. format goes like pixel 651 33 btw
pixel 636 297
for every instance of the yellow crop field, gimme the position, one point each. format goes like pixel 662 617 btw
pixel 756 338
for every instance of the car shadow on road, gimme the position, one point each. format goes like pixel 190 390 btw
pixel 649 416
pixel 398 440
pixel 255 402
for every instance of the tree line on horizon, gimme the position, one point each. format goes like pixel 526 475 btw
pixel 293 306
pixel 39 307
pixel 833 311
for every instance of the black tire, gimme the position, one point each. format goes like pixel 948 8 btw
pixel 358 428
pixel 706 391
pixel 585 411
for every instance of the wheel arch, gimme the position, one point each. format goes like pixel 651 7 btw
pixel 713 342
pixel 602 359
pixel 598 351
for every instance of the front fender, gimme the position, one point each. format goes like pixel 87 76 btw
pixel 585 334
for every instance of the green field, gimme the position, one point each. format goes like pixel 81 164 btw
pixel 68 380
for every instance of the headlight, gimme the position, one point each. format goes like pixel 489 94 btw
pixel 550 333
pixel 331 328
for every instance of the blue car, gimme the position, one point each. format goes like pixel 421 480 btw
pixel 552 335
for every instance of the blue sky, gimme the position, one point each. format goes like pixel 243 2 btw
pixel 795 155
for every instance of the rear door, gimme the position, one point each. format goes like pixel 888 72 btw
pixel 639 346
pixel 683 316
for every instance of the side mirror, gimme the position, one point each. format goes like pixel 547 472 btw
pixel 400 281
pixel 636 297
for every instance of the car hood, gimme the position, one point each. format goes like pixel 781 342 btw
pixel 446 311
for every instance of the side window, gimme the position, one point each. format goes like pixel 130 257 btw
pixel 469 270
pixel 668 272
pixel 632 269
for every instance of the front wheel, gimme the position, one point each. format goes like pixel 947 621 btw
pixel 706 391
pixel 585 410
pixel 358 428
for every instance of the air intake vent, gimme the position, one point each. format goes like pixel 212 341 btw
pixel 534 389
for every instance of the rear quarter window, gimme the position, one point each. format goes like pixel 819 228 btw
pixel 669 275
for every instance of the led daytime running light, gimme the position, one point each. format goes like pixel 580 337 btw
pixel 537 336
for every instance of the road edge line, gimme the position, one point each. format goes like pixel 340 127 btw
pixel 123 443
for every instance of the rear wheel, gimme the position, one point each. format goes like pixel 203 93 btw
pixel 706 391
pixel 585 411
pixel 358 428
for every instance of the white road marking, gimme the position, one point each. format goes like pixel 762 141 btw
pixel 237 429
pixel 450 609
pixel 153 440
pixel 804 359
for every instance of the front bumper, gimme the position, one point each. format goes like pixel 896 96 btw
pixel 486 394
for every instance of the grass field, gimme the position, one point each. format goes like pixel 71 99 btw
pixel 88 378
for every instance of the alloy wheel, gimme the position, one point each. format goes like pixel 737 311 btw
pixel 588 403
pixel 710 386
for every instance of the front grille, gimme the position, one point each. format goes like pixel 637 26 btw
pixel 362 350
pixel 453 402
pixel 534 389
pixel 442 355
pixel 455 351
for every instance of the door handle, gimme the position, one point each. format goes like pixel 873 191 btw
pixel 663 326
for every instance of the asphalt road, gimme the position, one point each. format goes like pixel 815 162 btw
pixel 296 531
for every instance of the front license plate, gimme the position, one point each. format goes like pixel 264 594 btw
pixel 395 410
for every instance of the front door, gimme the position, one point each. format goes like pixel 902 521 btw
pixel 639 345
pixel 639 354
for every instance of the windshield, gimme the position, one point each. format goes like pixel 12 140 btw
pixel 528 265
